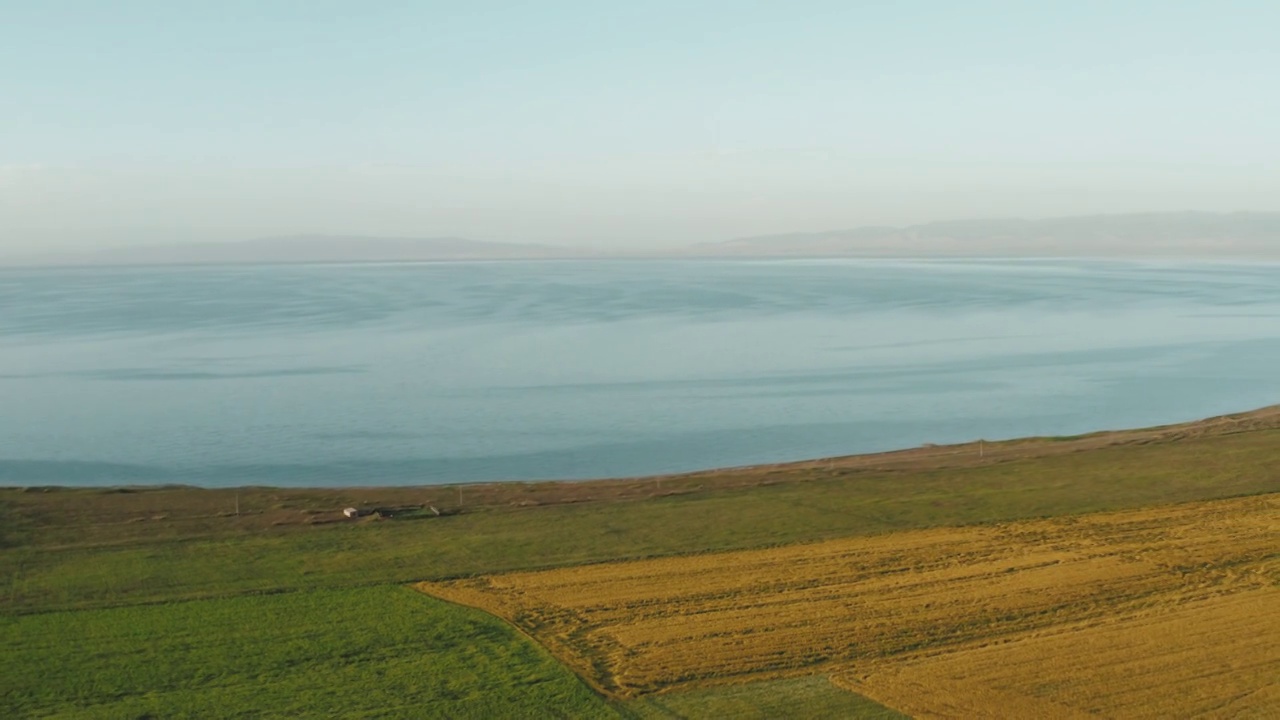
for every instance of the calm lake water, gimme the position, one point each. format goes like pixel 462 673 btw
pixel 438 373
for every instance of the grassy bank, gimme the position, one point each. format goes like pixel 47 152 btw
pixel 82 548
pixel 177 601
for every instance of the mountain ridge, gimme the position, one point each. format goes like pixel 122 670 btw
pixel 1240 234
pixel 309 248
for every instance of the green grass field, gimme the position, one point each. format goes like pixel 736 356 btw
pixel 163 603
pixel 370 652
pixel 46 565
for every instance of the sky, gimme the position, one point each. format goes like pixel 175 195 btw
pixel 621 125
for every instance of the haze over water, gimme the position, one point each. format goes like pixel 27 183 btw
pixel 464 372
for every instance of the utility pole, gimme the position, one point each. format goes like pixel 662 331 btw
pixel 237 502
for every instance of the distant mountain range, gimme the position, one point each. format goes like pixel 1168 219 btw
pixel 1158 234
pixel 1136 235
pixel 307 249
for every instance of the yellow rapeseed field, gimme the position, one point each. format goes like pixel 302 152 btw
pixel 1149 612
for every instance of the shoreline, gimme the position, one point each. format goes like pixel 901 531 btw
pixel 920 458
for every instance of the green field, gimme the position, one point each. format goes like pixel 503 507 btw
pixel 164 602
pixel 58 559
pixel 370 652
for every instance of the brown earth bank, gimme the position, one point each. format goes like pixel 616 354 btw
pixel 1156 612
pixel 195 511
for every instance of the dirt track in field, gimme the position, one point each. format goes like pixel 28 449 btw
pixel 1107 613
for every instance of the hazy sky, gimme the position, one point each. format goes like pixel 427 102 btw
pixel 614 123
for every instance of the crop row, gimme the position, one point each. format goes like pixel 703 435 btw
pixel 638 627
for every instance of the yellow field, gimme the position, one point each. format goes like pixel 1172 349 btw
pixel 1150 612
pixel 1213 658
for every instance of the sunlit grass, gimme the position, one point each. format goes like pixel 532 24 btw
pixel 384 651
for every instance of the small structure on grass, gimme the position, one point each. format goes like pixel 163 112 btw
pixel 400 512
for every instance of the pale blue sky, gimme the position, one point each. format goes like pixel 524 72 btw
pixel 613 123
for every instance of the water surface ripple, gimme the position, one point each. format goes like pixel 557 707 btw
pixel 463 372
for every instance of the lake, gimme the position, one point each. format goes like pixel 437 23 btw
pixel 466 372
